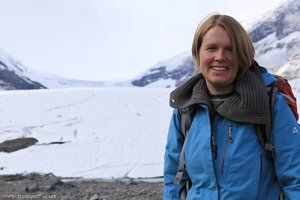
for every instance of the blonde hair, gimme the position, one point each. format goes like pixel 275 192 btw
pixel 243 50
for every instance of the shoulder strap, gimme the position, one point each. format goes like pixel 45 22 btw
pixel 187 115
pixel 264 131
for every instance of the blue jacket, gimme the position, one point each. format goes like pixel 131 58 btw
pixel 242 170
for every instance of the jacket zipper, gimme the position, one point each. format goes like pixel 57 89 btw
pixel 213 139
pixel 214 145
pixel 228 140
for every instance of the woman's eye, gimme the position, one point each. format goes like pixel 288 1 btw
pixel 211 48
pixel 229 49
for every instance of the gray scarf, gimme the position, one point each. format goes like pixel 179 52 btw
pixel 249 104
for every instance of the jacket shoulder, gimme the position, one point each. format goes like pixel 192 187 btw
pixel 268 77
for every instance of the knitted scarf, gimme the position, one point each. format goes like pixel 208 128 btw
pixel 249 104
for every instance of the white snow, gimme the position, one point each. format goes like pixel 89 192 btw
pixel 108 132
pixel 273 53
pixel 167 83
pixel 291 69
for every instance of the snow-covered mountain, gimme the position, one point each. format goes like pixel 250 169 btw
pixel 169 73
pixel 16 76
pixel 13 75
pixel 276 37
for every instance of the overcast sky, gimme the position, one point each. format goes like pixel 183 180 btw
pixel 108 39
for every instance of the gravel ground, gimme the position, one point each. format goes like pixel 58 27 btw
pixel 48 186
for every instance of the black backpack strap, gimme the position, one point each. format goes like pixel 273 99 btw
pixel 263 136
pixel 187 115
pixel 264 130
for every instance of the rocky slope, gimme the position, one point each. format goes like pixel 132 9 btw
pixel 49 186
pixel 12 75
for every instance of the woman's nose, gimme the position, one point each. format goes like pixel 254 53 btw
pixel 220 56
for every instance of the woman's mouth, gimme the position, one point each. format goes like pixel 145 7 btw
pixel 218 68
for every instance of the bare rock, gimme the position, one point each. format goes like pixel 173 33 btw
pixel 9 146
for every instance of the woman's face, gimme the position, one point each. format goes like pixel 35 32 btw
pixel 216 61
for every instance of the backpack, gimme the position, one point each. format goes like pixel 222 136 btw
pixel 282 86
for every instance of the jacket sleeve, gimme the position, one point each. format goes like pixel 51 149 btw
pixel 171 159
pixel 286 140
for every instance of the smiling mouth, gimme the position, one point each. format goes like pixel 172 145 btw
pixel 219 68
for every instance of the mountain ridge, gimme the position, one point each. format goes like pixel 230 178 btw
pixel 275 36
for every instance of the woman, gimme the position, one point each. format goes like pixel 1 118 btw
pixel 224 158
